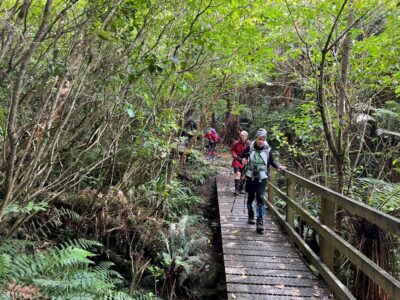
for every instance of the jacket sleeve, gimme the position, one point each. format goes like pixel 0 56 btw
pixel 233 150
pixel 246 152
pixel 272 161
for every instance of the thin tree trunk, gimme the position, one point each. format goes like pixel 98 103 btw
pixel 342 139
pixel 12 113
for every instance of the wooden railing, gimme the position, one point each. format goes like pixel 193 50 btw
pixel 329 240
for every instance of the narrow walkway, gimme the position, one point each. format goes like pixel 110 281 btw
pixel 260 266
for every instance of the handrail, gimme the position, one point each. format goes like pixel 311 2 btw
pixel 386 222
pixel 329 239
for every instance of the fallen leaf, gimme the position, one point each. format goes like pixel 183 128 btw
pixel 233 296
pixel 280 286
pixel 299 276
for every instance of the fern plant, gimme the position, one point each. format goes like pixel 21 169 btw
pixel 179 259
pixel 62 272
pixel 378 193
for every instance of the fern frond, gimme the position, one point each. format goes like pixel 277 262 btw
pixel 72 215
pixel 14 246
pixel 4 265
pixel 83 244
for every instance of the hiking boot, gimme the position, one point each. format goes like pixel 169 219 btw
pixel 235 193
pixel 260 226
pixel 251 218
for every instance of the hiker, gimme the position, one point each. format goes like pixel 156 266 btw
pixel 212 138
pixel 258 157
pixel 237 150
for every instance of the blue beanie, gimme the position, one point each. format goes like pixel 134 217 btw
pixel 261 132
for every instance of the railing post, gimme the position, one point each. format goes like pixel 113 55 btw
pixel 327 218
pixel 291 192
pixel 271 191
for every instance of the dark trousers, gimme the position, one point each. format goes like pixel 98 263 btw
pixel 211 148
pixel 255 190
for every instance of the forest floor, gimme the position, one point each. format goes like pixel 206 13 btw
pixel 212 285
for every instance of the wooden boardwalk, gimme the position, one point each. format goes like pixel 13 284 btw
pixel 260 266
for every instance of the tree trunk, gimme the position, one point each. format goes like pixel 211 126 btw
pixel 342 136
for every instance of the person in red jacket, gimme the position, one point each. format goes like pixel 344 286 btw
pixel 212 138
pixel 237 151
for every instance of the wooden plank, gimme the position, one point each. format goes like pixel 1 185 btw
pixel 255 244
pixel 286 281
pixel 260 253
pixel 247 296
pixel 248 232
pixel 387 222
pixel 277 290
pixel 269 259
pixel 229 237
pixel 269 272
pixel 266 265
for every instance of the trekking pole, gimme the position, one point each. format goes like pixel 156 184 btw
pixel 233 204
pixel 244 203
pixel 229 179
pixel 244 196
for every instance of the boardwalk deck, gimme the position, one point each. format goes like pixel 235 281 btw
pixel 260 266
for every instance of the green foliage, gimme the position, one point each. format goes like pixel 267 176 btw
pixel 302 124
pixel 65 271
pixel 180 200
pixel 178 262
pixel 378 193
pixel 147 296
pixel 29 208
pixel 172 200
pixel 389 117
pixel 198 169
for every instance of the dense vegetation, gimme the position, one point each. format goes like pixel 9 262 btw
pixel 94 95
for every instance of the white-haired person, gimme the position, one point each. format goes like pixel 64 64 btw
pixel 258 157
pixel 237 151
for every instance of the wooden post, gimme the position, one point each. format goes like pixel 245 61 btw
pixel 327 218
pixel 270 190
pixel 291 192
